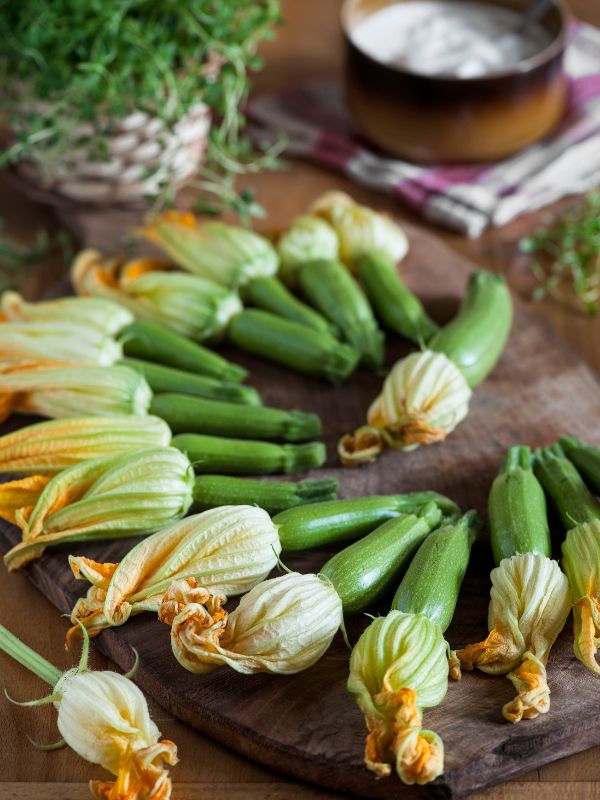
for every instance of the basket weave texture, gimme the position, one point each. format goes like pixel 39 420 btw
pixel 143 156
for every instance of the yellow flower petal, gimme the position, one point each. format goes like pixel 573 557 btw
pixel 531 682
pixel 17 498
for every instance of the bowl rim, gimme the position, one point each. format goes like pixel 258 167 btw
pixel 553 49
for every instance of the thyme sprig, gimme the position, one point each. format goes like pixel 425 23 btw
pixel 70 68
pixel 566 257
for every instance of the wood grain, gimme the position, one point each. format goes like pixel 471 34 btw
pixel 306 48
pixel 539 389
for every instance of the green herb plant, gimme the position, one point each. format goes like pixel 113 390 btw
pixel 69 63
pixel 566 257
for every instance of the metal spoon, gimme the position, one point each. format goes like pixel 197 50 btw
pixel 536 10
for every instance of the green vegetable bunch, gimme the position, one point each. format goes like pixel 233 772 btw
pixel 566 257
pixel 67 63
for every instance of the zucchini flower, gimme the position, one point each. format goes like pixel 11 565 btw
pixel 398 667
pixel 581 563
pixel 283 625
pixel 93 312
pixel 309 238
pixel 360 230
pixel 104 718
pixel 57 340
pixel 228 549
pixel 57 389
pixel 189 305
pixel 49 447
pixel 530 602
pixel 105 498
pixel 225 254
pixel 423 399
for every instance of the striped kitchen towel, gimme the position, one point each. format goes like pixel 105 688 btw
pixel 469 198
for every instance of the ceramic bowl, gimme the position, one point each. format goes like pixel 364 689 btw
pixel 448 119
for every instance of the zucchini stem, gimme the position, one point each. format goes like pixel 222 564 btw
pixel 33 661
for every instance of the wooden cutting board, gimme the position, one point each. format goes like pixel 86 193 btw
pixel 307 724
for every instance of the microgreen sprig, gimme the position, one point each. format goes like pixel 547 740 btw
pixel 566 257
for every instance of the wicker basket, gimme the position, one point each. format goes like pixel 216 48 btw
pixel 143 156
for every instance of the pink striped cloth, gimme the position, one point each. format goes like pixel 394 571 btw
pixel 470 198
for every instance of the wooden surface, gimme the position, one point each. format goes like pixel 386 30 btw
pixel 307 48
pixel 317 732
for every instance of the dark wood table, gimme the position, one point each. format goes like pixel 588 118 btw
pixel 308 47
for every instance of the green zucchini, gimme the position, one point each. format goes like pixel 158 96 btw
pixel 184 414
pixel 517 509
pixel 331 289
pixel 395 305
pixel 211 491
pixel 340 520
pixel 151 342
pixel 167 379
pixel 363 571
pixel 560 479
pixel 433 579
pixel 270 294
pixel 475 338
pixel 247 456
pixel 586 457
pixel 296 346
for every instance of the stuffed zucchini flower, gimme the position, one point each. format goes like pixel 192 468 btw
pixel 398 667
pixel 423 399
pixel 283 625
pixel 360 230
pixel 49 447
pixel 57 389
pixel 104 315
pixel 530 602
pixel 228 550
pixel 105 498
pixel 104 718
pixel 225 254
pixel 309 238
pixel 57 340
pixel 191 306
pixel 581 563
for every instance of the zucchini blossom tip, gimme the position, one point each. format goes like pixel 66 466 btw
pixel 581 562
pixel 530 602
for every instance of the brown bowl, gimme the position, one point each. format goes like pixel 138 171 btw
pixel 449 119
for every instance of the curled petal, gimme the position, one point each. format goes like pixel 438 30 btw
pixel 586 613
pixel 361 447
pixel 396 736
pixel 18 498
pixel 97 573
pixel 89 612
pixel 415 432
pixel 491 655
pixel 141 776
pixel 196 627
pixel 531 682
pixel 185 592
pixel 454 666
pixel 581 562
pixel 419 755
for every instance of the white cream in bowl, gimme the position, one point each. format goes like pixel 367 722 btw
pixel 454 39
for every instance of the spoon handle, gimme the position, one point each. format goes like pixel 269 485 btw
pixel 536 10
